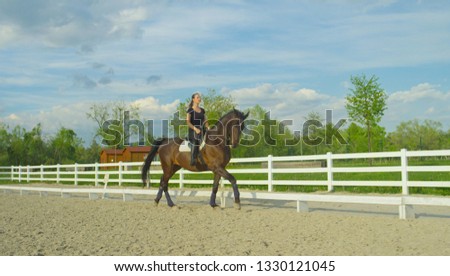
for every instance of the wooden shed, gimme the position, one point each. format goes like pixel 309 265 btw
pixel 128 154
pixel 136 154
pixel 111 155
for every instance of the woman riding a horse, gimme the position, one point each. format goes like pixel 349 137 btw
pixel 216 154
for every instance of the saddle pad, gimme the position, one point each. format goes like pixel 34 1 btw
pixel 186 146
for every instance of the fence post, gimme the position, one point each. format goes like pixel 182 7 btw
pixel 404 165
pixel 76 174
pixel 12 173
pixel 270 172
pixel 58 170
pixel 28 173
pixel 182 178
pixel 120 173
pixel 96 173
pixel 20 173
pixel 330 171
pixel 42 172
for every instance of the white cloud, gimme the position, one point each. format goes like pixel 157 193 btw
pixel 132 15
pixel 73 116
pixel 127 22
pixel 151 108
pixel 248 95
pixel 69 25
pixel 430 110
pixel 422 101
pixel 69 116
pixel 8 34
pixel 309 95
pixel 19 81
pixel 270 94
pixel 13 117
pixel 370 5
pixel 181 23
pixel 288 102
pixel 419 92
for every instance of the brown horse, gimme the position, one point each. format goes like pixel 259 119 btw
pixel 215 156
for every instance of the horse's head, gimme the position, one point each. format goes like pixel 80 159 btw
pixel 228 128
pixel 235 126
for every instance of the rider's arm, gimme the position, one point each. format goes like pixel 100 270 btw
pixel 188 120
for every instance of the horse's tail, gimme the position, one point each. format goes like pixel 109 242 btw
pixel 148 161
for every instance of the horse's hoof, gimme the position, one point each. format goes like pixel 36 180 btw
pixel 237 206
pixel 214 206
pixel 155 203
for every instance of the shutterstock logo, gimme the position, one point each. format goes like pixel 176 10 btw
pixel 267 130
pixel 314 132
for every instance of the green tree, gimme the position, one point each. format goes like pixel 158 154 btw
pixel 265 135
pixel 5 141
pixel 252 143
pixel 313 133
pixel 414 135
pixel 366 104
pixel 88 155
pixel 16 149
pixel 64 146
pixel 110 119
pixel 27 148
pixel 447 140
pixel 355 136
pixel 36 151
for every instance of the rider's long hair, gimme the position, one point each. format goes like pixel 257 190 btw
pixel 191 103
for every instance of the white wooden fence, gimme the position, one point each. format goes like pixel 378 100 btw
pixel 96 173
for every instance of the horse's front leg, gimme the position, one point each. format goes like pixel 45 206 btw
pixel 215 188
pixel 228 176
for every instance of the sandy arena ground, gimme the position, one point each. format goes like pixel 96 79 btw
pixel 34 225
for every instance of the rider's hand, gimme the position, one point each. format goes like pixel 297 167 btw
pixel 197 130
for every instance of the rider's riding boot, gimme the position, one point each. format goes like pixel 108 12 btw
pixel 194 154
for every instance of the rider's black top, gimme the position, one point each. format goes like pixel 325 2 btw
pixel 197 119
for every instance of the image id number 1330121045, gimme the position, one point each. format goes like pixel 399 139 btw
pixel 305 266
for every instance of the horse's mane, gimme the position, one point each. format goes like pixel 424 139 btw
pixel 224 119
pixel 231 112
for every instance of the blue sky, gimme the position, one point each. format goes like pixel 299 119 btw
pixel 291 57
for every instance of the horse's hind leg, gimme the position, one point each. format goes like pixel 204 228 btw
pixel 164 186
pixel 160 191
pixel 166 193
